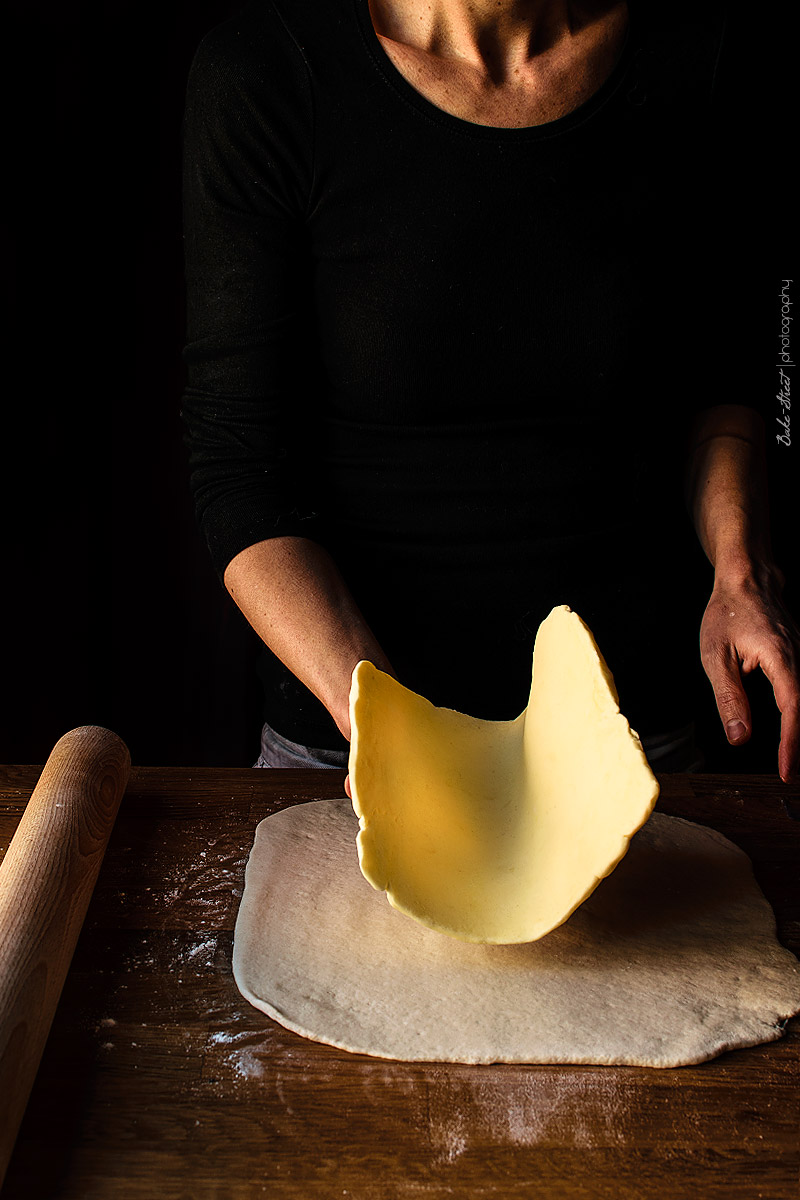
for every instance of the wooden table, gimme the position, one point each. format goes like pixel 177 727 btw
pixel 160 1082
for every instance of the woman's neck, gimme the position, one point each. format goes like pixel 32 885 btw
pixel 499 38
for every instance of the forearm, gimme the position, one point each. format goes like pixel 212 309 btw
pixel 726 493
pixel 293 595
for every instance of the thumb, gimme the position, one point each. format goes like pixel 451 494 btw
pixel 731 698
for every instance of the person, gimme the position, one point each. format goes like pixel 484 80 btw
pixel 445 361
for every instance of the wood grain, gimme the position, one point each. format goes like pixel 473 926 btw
pixel 159 1080
pixel 46 881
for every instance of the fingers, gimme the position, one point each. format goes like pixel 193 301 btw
pixel 789 750
pixel 787 698
pixel 347 786
pixel 722 666
pixel 732 703
pixel 742 630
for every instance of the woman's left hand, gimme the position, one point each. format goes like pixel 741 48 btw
pixel 746 626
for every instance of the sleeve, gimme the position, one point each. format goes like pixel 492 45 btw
pixel 735 285
pixel 248 170
pixel 715 261
pixel 752 102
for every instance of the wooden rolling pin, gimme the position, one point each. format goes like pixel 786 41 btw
pixel 46 880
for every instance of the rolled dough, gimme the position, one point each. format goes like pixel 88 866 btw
pixel 672 960
pixel 495 831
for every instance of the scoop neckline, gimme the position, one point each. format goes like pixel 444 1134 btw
pixel 459 125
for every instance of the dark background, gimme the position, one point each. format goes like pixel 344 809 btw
pixel 112 613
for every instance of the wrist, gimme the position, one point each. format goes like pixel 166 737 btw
pixel 740 571
pixel 335 695
pixel 335 691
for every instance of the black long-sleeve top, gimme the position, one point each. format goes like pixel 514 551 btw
pixel 462 358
